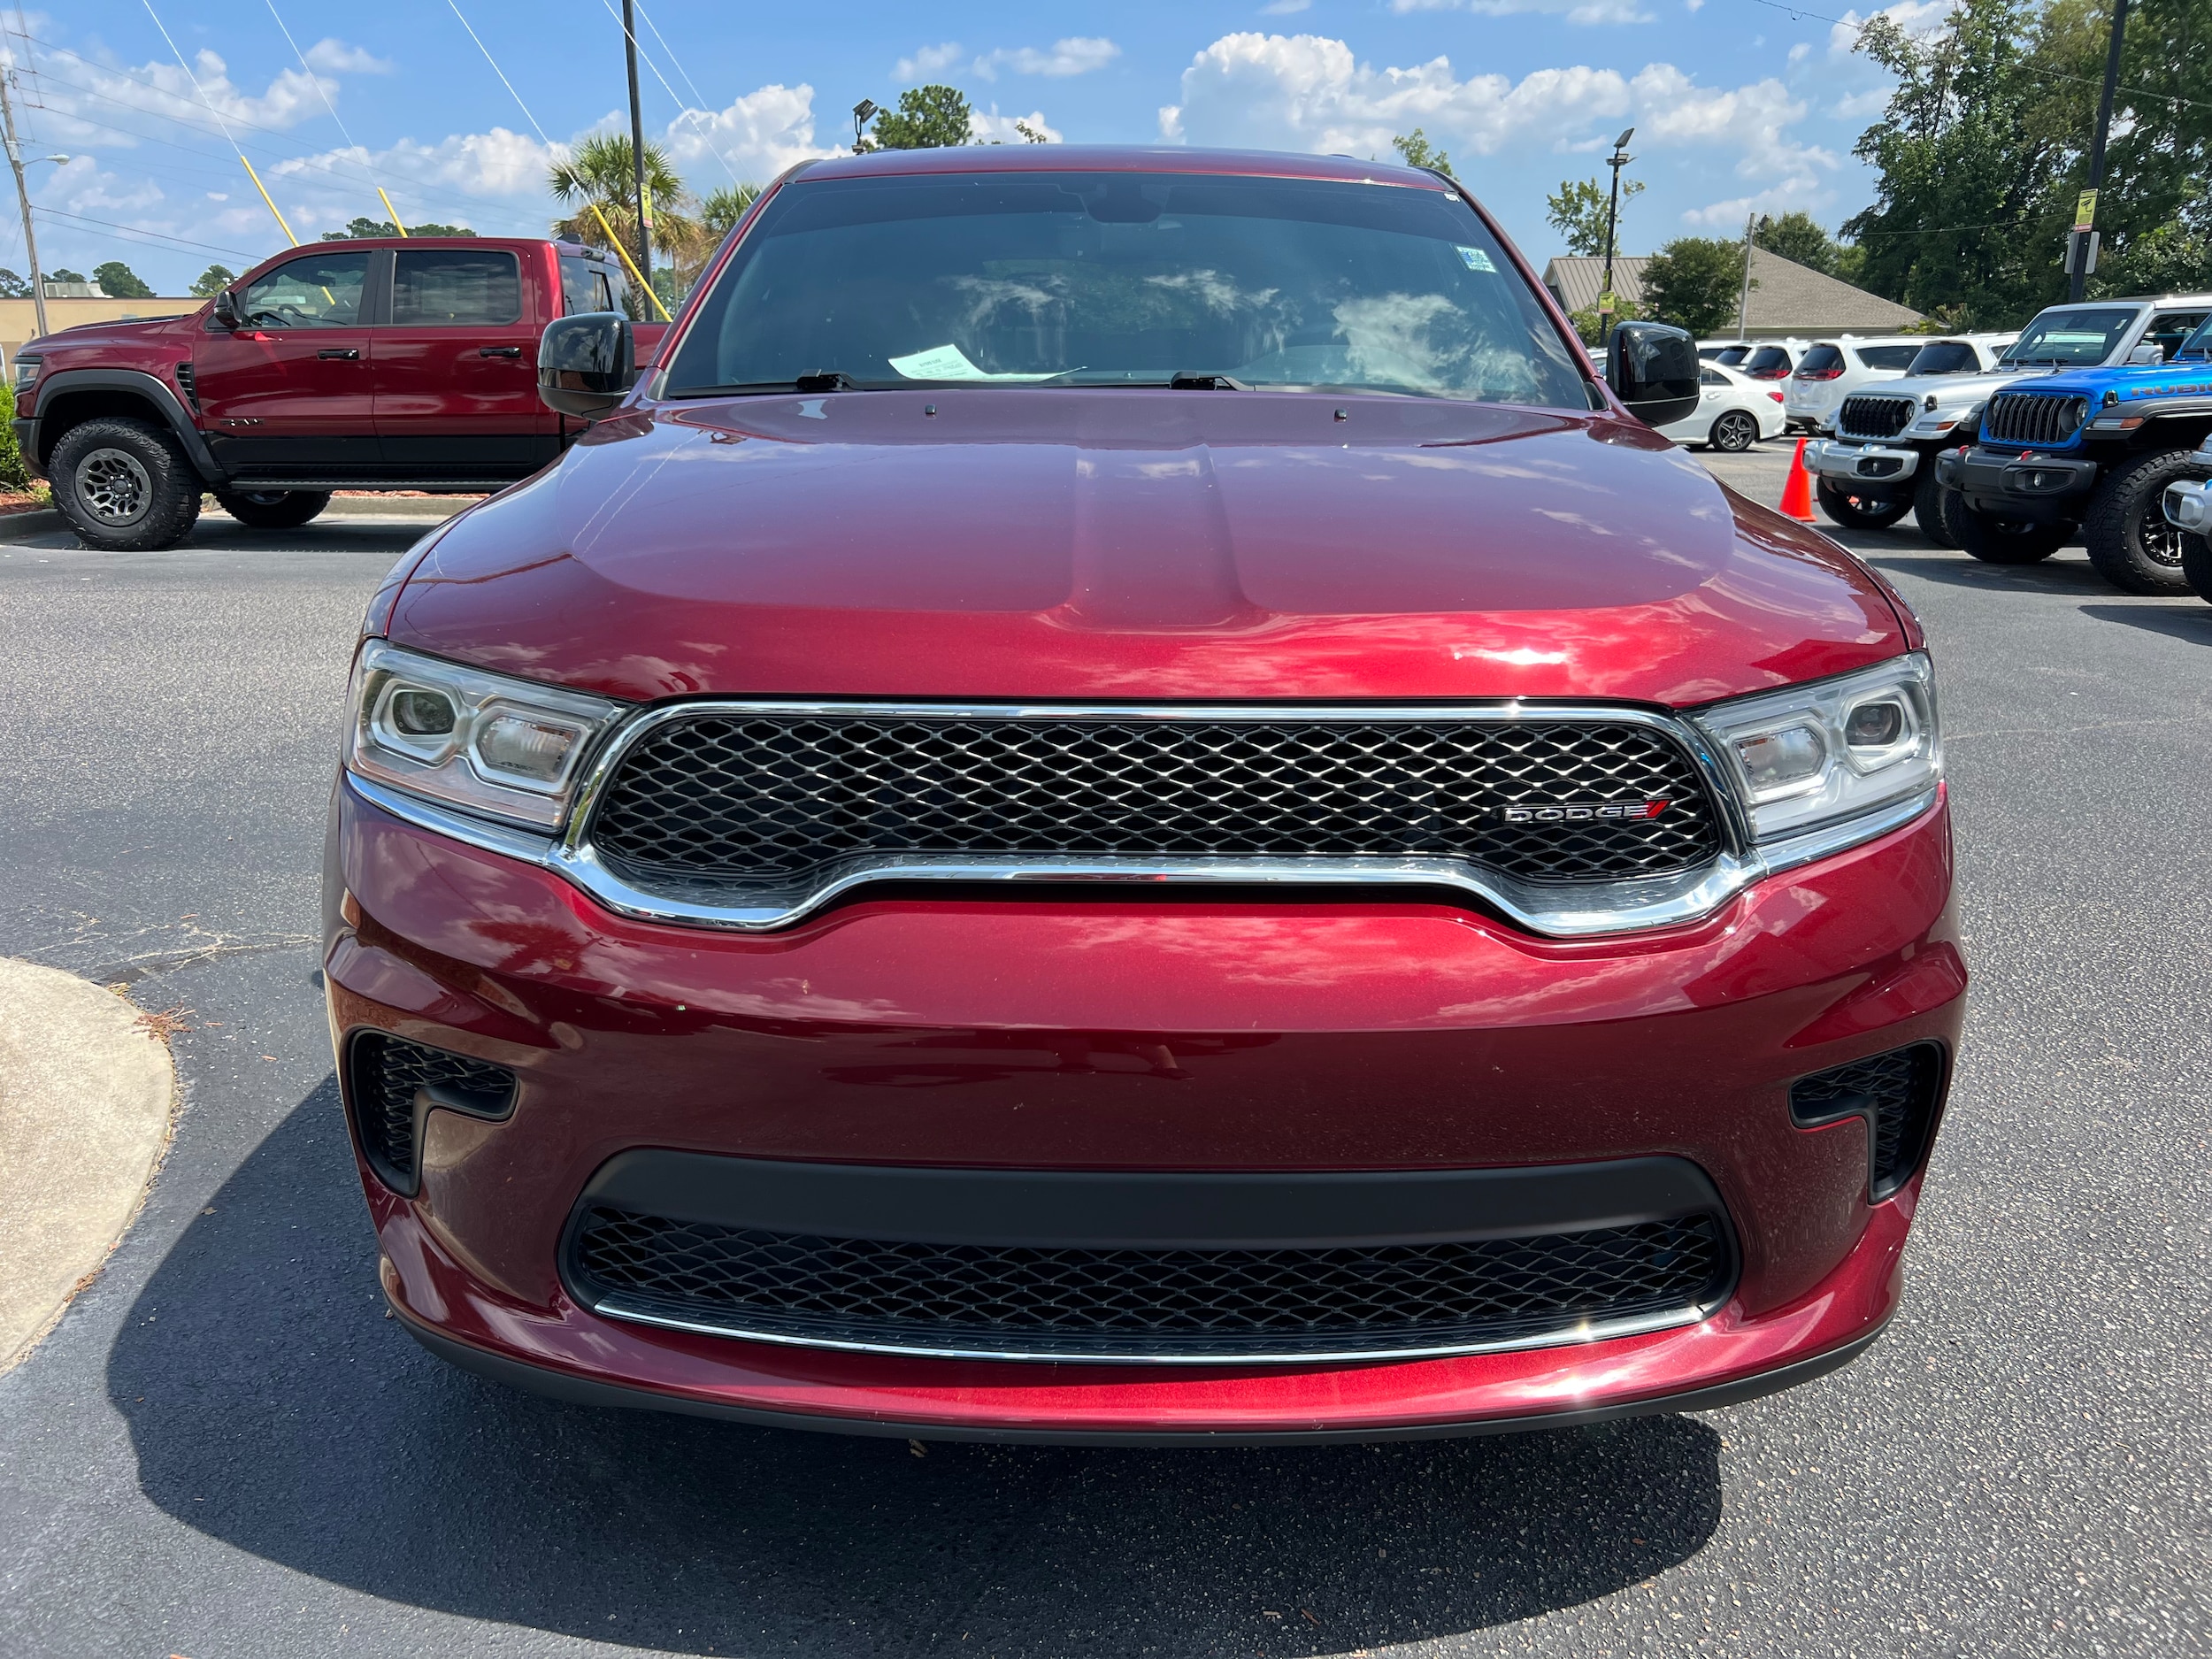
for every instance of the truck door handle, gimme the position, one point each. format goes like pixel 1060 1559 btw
pixel 499 351
pixel 343 354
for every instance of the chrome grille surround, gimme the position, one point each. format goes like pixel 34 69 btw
pixel 1082 829
pixel 2034 418
pixel 1870 415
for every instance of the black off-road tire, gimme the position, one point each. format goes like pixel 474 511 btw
pixel 1734 432
pixel 2196 565
pixel 1928 508
pixel 2130 542
pixel 1858 512
pixel 273 509
pixel 124 485
pixel 2003 540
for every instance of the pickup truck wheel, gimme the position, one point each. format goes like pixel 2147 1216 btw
pixel 2004 541
pixel 2196 565
pixel 273 509
pixel 1859 512
pixel 1734 432
pixel 2130 542
pixel 124 485
pixel 1928 510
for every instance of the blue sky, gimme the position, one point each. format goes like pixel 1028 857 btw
pixel 1738 104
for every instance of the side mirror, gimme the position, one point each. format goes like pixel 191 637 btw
pixel 586 363
pixel 1653 368
pixel 226 309
pixel 2148 353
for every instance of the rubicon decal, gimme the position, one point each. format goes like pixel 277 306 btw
pixel 1582 811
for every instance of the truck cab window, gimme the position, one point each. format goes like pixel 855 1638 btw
pixel 456 286
pixel 319 291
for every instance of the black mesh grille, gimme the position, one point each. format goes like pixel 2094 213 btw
pixel 772 801
pixel 1863 416
pixel 1050 1301
pixel 1897 1093
pixel 2035 417
pixel 387 1071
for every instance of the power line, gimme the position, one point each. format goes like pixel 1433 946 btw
pixel 698 117
pixel 133 230
pixel 332 108
pixel 218 114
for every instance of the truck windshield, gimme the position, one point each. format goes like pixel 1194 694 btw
pixel 1125 279
pixel 2065 339
pixel 2200 343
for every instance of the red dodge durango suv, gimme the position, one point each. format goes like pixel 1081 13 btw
pixel 1120 800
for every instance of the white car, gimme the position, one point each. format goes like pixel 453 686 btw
pixel 1733 411
pixel 1831 369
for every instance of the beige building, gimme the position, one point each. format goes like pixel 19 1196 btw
pixel 19 322
pixel 1788 300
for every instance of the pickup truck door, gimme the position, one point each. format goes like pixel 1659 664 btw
pixel 455 368
pixel 287 393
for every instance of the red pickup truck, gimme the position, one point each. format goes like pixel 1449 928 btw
pixel 408 363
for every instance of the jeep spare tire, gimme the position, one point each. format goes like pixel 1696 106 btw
pixel 273 509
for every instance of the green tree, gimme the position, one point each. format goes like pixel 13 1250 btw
pixel 118 281
pixel 1415 150
pixel 13 286
pixel 212 280
pixel 1695 282
pixel 601 174
pixel 719 214
pixel 1590 326
pixel 358 228
pixel 928 118
pixel 1796 237
pixel 65 275
pixel 1577 213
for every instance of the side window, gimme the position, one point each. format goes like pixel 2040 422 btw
pixel 321 290
pixel 2168 329
pixel 455 287
pixel 584 289
pixel 1706 377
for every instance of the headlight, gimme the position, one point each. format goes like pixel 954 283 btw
pixel 1820 754
pixel 26 372
pixel 500 748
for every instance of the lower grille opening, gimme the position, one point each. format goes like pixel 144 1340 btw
pixel 1897 1093
pixel 1056 1302
pixel 393 1082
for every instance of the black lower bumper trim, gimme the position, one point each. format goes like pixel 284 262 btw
pixel 2039 489
pixel 586 1392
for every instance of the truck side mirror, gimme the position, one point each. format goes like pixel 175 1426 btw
pixel 226 309
pixel 585 363
pixel 1653 369
pixel 2147 352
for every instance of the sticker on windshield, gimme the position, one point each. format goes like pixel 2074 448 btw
pixel 1477 260
pixel 949 362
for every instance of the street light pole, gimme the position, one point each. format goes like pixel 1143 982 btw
pixel 2081 242
pixel 637 147
pixel 1619 158
pixel 23 199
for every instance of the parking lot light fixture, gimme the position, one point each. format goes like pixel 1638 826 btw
pixel 1619 158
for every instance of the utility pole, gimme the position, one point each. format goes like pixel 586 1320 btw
pixel 1743 300
pixel 23 198
pixel 2081 246
pixel 1619 158
pixel 637 147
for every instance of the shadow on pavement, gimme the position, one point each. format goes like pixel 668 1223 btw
pixel 2060 576
pixel 272 1406
pixel 2191 621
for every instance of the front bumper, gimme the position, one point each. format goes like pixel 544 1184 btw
pixel 2188 506
pixel 26 430
pixel 903 1034
pixel 2013 485
pixel 1870 469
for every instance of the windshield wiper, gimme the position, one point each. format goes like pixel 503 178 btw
pixel 1203 381
pixel 831 380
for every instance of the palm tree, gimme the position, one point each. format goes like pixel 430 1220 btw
pixel 599 174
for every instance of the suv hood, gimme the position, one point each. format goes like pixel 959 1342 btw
pixel 1127 544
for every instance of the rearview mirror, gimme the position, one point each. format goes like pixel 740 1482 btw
pixel 1653 368
pixel 586 363
pixel 226 308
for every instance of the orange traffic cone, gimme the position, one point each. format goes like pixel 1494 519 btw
pixel 1797 494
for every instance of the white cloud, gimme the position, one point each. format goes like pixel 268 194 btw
pixel 1798 53
pixel 994 128
pixel 758 134
pixel 1916 17
pixel 1077 55
pixel 926 62
pixel 335 58
pixel 1574 11
pixel 1283 8
pixel 1856 106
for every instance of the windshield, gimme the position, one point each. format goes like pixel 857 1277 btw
pixel 2064 339
pixel 2200 343
pixel 1118 279
pixel 1946 357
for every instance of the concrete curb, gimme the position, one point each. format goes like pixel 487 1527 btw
pixel 86 1093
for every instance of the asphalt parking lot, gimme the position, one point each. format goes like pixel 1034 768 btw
pixel 226 1449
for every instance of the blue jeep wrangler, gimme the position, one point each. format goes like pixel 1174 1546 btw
pixel 2092 450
